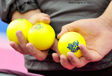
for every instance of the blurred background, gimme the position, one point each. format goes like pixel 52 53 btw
pixel 9 58
pixel 3 27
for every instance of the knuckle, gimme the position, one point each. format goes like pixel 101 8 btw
pixel 46 15
pixel 94 59
pixel 21 52
pixel 70 68
pixel 90 59
pixel 63 27
pixel 23 48
pixel 43 14
pixel 32 53
pixel 80 66
pixel 56 59
pixel 41 58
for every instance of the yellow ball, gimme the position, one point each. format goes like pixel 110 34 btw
pixel 69 42
pixel 18 24
pixel 42 36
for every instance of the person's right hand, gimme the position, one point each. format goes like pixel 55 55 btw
pixel 27 48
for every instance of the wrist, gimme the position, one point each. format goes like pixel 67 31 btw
pixel 106 20
pixel 26 15
pixel 106 17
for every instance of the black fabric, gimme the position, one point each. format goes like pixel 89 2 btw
pixel 49 65
pixel 104 72
pixel 5 6
pixel 26 5
pixel 9 6
pixel 61 13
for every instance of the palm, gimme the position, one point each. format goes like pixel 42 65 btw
pixel 97 36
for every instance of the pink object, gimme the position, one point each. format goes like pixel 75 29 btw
pixel 9 58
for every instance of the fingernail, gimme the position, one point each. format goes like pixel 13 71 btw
pixel 58 36
pixel 62 56
pixel 68 53
pixel 45 20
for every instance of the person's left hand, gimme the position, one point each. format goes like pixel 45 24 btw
pixel 98 35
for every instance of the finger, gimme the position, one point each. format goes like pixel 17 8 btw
pixel 90 55
pixel 39 17
pixel 22 40
pixel 56 57
pixel 44 18
pixel 16 47
pixel 77 62
pixel 40 55
pixel 45 15
pixel 55 47
pixel 63 30
pixel 68 28
pixel 83 62
pixel 65 63
pixel 73 59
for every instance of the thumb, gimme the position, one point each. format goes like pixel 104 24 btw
pixel 72 27
pixel 45 20
pixel 55 47
pixel 63 30
pixel 39 17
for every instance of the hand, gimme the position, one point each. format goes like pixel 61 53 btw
pixel 33 16
pixel 98 35
pixel 57 54
pixel 27 48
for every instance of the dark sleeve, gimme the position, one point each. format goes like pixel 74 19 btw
pixel 7 7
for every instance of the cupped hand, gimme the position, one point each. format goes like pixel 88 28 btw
pixel 98 35
pixel 27 48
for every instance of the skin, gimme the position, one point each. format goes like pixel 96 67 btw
pixel 98 35
pixel 34 16
pixel 96 31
